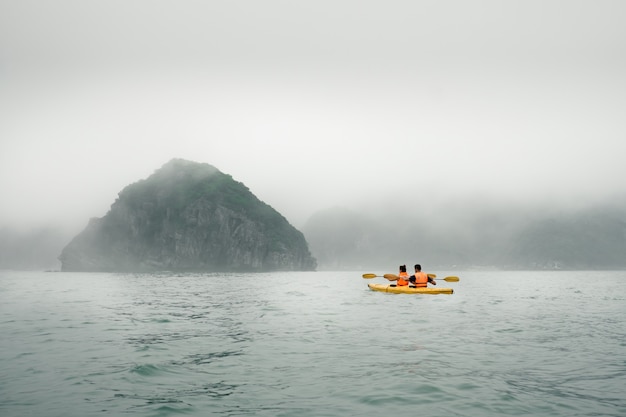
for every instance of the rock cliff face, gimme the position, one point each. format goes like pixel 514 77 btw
pixel 188 217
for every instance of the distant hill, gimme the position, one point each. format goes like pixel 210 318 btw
pixel 342 239
pixel 593 239
pixel 192 217
pixel 37 249
pixel 345 240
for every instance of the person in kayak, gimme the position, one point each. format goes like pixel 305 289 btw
pixel 420 279
pixel 402 277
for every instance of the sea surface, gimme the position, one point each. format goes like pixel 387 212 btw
pixel 311 344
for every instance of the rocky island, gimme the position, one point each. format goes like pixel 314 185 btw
pixel 188 216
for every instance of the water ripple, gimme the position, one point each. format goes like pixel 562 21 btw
pixel 311 344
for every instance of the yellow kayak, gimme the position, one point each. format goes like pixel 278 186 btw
pixel 406 289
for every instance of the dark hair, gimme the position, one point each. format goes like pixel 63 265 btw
pixel 402 268
pixel 418 267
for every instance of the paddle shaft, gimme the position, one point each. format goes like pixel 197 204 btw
pixel 393 277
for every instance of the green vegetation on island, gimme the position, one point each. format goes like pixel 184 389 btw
pixel 188 216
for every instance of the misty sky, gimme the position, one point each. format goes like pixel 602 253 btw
pixel 311 104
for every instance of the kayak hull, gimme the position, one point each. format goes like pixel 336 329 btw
pixel 409 290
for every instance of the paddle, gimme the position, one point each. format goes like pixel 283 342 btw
pixel 392 277
pixel 449 279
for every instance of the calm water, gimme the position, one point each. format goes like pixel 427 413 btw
pixel 311 344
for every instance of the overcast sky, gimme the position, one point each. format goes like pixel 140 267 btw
pixel 311 104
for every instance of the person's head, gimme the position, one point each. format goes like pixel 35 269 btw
pixel 418 267
pixel 402 268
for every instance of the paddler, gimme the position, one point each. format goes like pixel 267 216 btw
pixel 420 279
pixel 402 277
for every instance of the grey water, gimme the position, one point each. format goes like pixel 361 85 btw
pixel 311 344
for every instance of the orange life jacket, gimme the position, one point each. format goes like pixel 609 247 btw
pixel 421 279
pixel 402 281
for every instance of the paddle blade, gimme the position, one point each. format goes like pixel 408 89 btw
pixel 391 277
pixel 451 279
pixel 368 276
pixel 432 276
